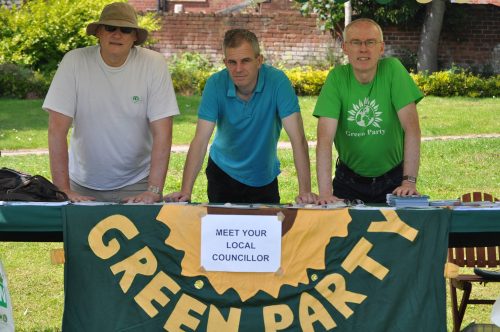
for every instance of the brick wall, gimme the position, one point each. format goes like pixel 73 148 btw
pixel 207 6
pixel 287 37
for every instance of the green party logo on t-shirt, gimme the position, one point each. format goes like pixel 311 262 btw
pixel 365 113
pixel 136 99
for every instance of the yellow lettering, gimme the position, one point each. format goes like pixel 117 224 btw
pixel 152 291
pixel 307 303
pixel 340 296
pixel 142 262
pixel 119 222
pixel 180 315
pixel 272 322
pixel 359 257
pixel 216 321
pixel 393 225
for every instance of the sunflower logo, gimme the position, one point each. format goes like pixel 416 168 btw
pixel 365 113
pixel 303 248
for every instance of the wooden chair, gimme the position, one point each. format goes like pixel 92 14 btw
pixel 471 257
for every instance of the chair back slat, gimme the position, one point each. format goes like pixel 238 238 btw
pixel 456 256
pixel 493 256
pixel 477 196
pixel 466 198
pixel 480 256
pixel 470 257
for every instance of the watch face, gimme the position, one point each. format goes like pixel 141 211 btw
pixel 154 189
pixel 410 178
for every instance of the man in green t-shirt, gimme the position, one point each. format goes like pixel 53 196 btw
pixel 368 109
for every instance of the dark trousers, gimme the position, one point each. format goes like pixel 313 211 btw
pixel 349 185
pixel 222 188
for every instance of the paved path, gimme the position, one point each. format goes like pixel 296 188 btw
pixel 281 145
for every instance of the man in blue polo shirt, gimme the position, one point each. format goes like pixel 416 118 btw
pixel 249 102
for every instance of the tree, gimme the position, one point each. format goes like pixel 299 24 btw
pixel 429 38
pixel 398 12
pixel 331 12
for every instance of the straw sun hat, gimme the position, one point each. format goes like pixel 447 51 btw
pixel 119 14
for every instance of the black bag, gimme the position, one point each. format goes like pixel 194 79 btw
pixel 17 186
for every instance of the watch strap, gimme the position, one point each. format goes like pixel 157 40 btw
pixel 154 189
pixel 409 178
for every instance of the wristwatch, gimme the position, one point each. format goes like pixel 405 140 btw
pixel 154 189
pixel 409 178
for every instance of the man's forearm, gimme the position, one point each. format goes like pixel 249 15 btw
pixel 302 165
pixel 192 167
pixel 58 156
pixel 160 157
pixel 324 167
pixel 160 152
pixel 411 162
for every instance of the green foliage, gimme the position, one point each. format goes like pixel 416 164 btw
pixel 306 81
pixel 39 32
pixel 457 82
pixel 190 72
pixel 21 82
pixel 331 13
pixel 396 12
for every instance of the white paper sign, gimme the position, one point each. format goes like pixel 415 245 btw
pixel 240 243
pixel 495 313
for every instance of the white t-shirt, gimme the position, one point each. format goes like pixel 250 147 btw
pixel 111 107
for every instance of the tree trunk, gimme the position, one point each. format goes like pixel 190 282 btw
pixel 429 38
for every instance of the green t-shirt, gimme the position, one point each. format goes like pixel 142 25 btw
pixel 369 137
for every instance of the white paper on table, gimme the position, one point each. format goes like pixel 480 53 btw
pixel 93 203
pixel 495 313
pixel 17 203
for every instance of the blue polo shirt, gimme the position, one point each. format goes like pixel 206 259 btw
pixel 245 143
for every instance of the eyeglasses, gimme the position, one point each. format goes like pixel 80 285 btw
pixel 370 43
pixel 112 28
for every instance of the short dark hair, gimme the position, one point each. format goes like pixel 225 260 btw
pixel 235 37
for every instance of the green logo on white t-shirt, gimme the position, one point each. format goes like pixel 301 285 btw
pixel 3 294
pixel 136 99
pixel 365 113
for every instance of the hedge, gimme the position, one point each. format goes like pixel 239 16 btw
pixel 189 74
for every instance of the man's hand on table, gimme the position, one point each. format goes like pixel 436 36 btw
pixel 177 197
pixel 327 199
pixel 406 189
pixel 146 197
pixel 306 198
pixel 76 197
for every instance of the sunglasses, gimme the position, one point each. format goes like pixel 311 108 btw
pixel 112 28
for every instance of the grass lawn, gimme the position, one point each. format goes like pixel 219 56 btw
pixel 448 169
pixel 23 124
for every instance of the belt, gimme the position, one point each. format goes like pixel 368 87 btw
pixel 342 167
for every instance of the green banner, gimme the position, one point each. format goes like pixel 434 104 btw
pixel 137 268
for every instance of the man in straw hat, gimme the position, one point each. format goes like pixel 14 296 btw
pixel 120 100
